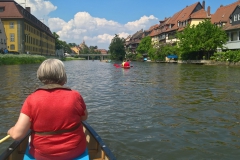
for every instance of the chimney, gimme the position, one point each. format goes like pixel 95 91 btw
pixel 203 4
pixel 208 11
pixel 28 9
pixel 221 5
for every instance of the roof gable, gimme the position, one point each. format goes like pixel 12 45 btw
pixel 186 12
pixel 237 8
pixel 184 15
pixel 223 13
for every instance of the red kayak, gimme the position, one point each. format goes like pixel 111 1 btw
pixel 126 67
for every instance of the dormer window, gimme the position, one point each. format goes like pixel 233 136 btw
pixel 235 17
pixel 230 21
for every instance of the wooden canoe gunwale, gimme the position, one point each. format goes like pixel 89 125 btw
pixel 106 150
pixel 99 151
pixel 16 146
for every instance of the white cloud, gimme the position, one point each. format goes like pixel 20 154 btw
pixel 39 8
pixel 56 23
pixel 144 22
pixel 93 30
pixel 96 31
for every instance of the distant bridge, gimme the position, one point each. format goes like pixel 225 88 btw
pixel 102 56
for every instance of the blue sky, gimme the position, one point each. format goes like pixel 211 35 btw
pixel 97 21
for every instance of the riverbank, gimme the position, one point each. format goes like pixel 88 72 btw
pixel 73 58
pixel 11 59
pixel 201 62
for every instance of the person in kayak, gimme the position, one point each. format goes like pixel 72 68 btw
pixel 127 64
pixel 54 113
pixel 124 61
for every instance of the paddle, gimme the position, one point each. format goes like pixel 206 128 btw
pixel 4 139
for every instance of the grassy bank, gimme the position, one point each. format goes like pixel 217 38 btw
pixel 11 59
pixel 73 58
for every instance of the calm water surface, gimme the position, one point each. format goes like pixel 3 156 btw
pixel 149 112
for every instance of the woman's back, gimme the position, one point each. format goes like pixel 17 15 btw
pixel 51 111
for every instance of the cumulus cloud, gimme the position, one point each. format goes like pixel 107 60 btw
pixel 94 31
pixel 143 22
pixel 39 8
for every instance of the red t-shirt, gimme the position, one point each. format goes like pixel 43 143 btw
pixel 52 110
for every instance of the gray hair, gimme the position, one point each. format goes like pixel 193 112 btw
pixel 52 71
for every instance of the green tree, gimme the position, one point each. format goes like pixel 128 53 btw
pixel 116 48
pixel 200 40
pixel 72 44
pixel 61 44
pixel 85 50
pixel 66 47
pixel 58 43
pixel 144 45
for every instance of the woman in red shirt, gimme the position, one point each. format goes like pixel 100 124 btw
pixel 54 114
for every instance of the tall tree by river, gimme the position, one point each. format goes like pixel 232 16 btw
pixel 200 40
pixel 117 49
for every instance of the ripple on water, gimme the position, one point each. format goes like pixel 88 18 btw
pixel 151 111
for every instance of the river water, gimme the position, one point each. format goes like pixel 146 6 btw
pixel 151 111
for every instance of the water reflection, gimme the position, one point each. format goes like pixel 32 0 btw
pixel 149 111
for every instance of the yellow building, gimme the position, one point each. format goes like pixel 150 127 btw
pixel 25 33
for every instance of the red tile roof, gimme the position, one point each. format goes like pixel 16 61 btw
pixel 223 13
pixel 201 14
pixel 103 51
pixel 10 11
pixel 231 27
pixel 186 12
pixel 182 15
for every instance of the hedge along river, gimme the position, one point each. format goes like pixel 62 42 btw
pixel 150 111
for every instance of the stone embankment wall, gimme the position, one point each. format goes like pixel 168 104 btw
pixel 209 62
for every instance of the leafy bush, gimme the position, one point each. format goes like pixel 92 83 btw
pixel 230 56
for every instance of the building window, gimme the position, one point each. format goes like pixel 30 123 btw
pixel 235 17
pixel 12 37
pixel 2 9
pixel 12 47
pixel 239 16
pixel 234 36
pixel 11 25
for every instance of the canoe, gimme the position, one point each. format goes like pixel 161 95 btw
pixel 95 145
pixel 126 67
